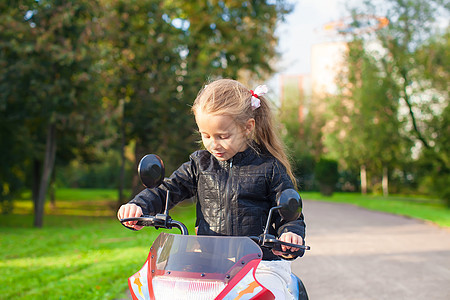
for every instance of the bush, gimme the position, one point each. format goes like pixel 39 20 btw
pixel 327 175
pixel 438 185
pixel 304 172
pixel 101 174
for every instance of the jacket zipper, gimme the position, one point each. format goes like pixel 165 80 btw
pixel 228 200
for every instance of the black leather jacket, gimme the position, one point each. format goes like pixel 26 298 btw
pixel 233 197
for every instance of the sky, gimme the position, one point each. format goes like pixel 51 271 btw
pixel 300 31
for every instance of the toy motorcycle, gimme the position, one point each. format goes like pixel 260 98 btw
pixel 206 267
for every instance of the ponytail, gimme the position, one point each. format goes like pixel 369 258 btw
pixel 267 135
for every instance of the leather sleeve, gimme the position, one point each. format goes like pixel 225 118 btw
pixel 182 185
pixel 280 182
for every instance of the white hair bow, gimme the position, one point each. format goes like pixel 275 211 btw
pixel 259 91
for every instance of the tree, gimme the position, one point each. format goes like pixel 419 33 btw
pixel 71 66
pixel 434 163
pixel 412 33
pixel 163 53
pixel 365 131
pixel 46 69
pixel 144 74
pixel 232 37
pixel 386 86
pixel 302 126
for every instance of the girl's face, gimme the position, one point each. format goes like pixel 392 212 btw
pixel 221 135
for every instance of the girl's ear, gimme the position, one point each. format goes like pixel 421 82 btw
pixel 249 126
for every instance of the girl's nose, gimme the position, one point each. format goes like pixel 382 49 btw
pixel 215 144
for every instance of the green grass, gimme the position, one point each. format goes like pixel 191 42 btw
pixel 79 202
pixel 73 257
pixel 82 251
pixel 69 194
pixel 432 210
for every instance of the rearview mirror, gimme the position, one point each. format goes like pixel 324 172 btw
pixel 290 205
pixel 151 170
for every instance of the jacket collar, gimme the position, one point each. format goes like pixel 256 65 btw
pixel 252 150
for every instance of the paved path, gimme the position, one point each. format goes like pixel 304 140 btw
pixel 358 254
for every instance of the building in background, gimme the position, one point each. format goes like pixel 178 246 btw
pixel 327 58
pixel 309 89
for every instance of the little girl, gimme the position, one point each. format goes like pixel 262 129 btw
pixel 236 179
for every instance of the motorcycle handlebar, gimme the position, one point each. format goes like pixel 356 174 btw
pixel 275 244
pixel 181 226
pixel 280 243
pixel 158 221
pixel 164 221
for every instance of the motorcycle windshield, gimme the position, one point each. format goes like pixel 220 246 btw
pixel 205 257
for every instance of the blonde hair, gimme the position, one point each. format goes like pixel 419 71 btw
pixel 229 97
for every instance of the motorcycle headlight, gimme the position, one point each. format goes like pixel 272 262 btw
pixel 185 289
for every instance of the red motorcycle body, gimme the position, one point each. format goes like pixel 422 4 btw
pixel 200 268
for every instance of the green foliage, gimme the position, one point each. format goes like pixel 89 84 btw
pixel 113 74
pixel 438 185
pixel 301 132
pixel 367 130
pixel 304 171
pixel 327 174
pixel 231 37
pixel 102 173
pixel 348 181
pixel 434 164
pixel 47 57
pixel 393 96
pixel 159 66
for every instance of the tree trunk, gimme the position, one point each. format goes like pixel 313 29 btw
pixel 49 161
pixel 385 182
pixel 408 101
pixel 363 180
pixel 37 172
pixel 52 190
pixel 120 200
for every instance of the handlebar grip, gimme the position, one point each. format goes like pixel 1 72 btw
pixel 295 254
pixel 141 221
pixel 158 221
pixel 299 252
pixel 145 223
pixel 301 247
pixel 275 244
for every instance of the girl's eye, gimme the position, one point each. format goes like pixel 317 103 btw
pixel 223 137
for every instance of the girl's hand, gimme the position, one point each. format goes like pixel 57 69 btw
pixel 288 237
pixel 130 211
